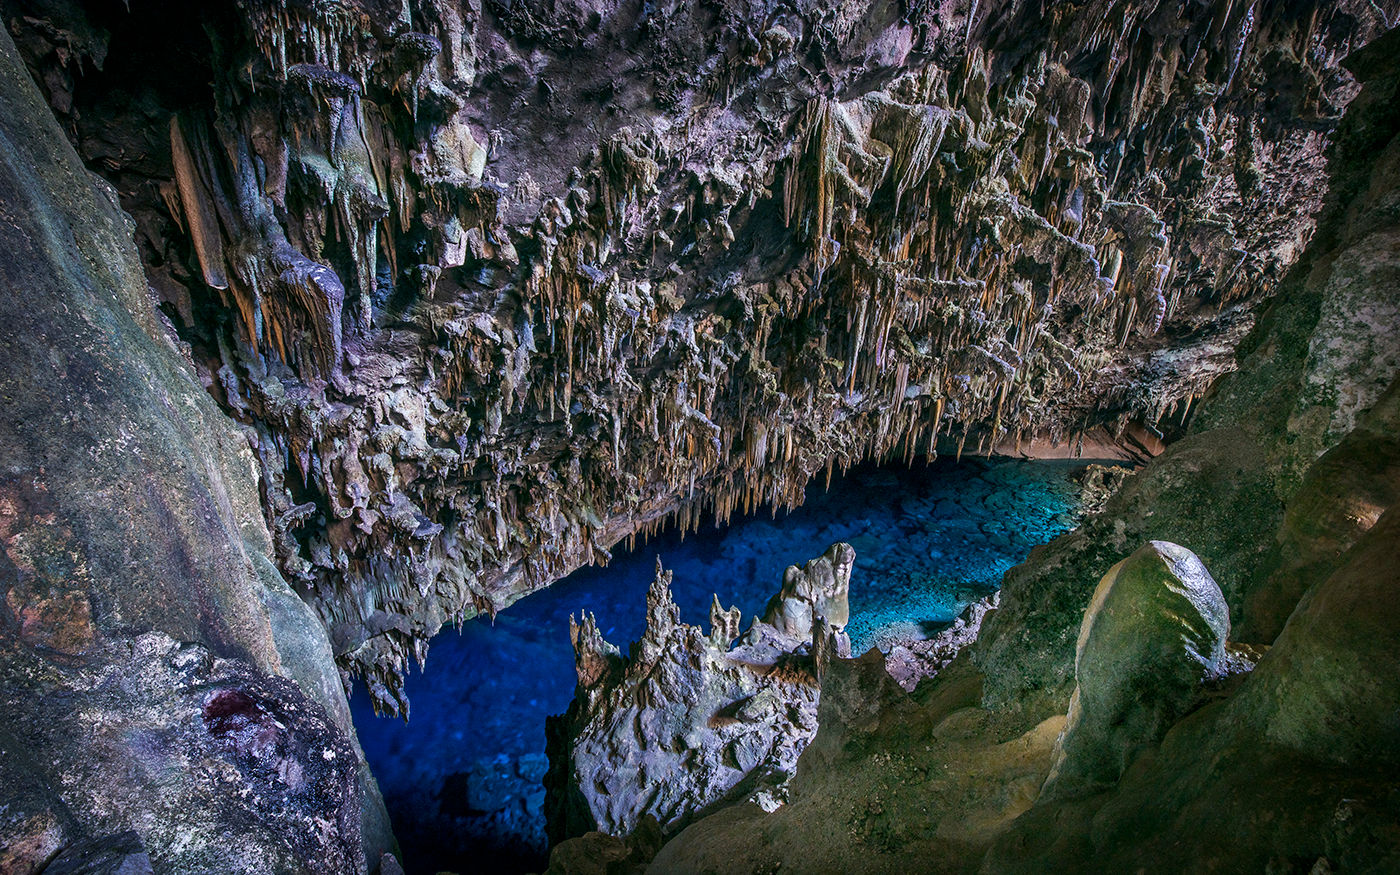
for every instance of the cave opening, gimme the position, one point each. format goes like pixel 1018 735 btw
pixel 463 778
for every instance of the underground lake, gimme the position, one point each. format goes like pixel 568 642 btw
pixel 462 778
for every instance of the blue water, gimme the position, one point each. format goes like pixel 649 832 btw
pixel 462 778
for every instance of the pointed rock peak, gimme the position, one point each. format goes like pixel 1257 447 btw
pixel 662 613
pixel 594 657
pixel 724 625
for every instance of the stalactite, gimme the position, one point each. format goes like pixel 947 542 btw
pixel 967 255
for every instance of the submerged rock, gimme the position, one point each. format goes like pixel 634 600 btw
pixel 685 722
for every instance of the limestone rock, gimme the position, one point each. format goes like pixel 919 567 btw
pixel 818 589
pixel 911 662
pixel 1154 631
pixel 485 345
pixel 597 853
pixel 1294 772
pixel 1288 768
pixel 1248 442
pixel 686 721
pixel 1327 687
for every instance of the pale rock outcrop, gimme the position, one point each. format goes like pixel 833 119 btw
pixel 818 589
pixel 685 721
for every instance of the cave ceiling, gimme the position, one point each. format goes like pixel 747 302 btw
pixel 492 286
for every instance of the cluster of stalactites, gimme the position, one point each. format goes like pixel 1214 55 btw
pixel 973 245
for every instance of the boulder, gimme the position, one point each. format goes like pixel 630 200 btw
pixel 685 721
pixel 1155 629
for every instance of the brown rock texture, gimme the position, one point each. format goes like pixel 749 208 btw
pixel 1277 757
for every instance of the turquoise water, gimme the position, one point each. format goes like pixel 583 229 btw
pixel 462 778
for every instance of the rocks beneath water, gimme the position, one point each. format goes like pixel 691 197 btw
pixel 930 538
pixel 687 721
pixel 467 366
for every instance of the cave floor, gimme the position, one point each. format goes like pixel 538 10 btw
pixel 462 779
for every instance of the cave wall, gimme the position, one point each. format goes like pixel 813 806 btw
pixel 495 285
pixel 157 673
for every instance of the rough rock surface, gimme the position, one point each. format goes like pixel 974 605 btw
pixel 491 286
pixel 818 590
pixel 1154 631
pixel 120 854
pixel 1296 772
pixel 495 285
pixel 215 765
pixel 912 661
pixel 1289 767
pixel 157 674
pixel 687 721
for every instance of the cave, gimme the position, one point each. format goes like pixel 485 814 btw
pixel 620 436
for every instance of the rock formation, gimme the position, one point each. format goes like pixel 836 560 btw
pixel 688 721
pixel 324 324
pixel 496 285
pixel 166 699
pixel 1154 631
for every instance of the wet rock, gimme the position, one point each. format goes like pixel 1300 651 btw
pixel 1153 633
pixel 687 721
pixel 911 662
